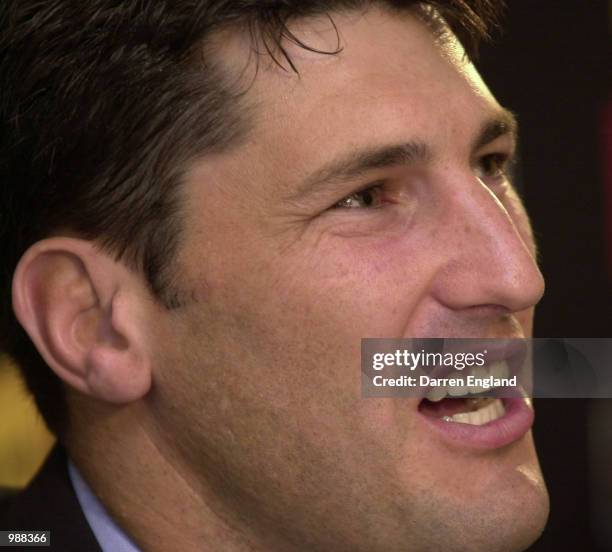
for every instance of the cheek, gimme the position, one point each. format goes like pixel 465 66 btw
pixel 292 324
pixel 360 287
pixel 302 309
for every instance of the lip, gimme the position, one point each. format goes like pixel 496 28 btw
pixel 514 424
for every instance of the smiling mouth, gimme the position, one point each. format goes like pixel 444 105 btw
pixel 478 422
pixel 474 417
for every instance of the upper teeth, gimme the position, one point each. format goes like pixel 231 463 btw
pixel 488 413
pixel 498 369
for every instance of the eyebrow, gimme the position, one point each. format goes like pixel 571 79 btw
pixel 348 167
pixel 504 123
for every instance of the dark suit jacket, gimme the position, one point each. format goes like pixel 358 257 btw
pixel 49 503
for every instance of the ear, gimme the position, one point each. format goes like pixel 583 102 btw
pixel 86 314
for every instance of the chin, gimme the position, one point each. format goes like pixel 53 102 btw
pixel 520 531
pixel 477 500
pixel 512 512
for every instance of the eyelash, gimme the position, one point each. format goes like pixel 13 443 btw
pixel 502 163
pixel 375 187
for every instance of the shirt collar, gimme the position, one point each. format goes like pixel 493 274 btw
pixel 109 535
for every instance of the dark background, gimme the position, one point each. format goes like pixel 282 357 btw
pixel 552 66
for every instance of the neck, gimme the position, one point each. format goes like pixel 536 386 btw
pixel 148 490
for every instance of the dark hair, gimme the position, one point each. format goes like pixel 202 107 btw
pixel 103 105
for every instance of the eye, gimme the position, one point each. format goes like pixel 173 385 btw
pixel 370 197
pixel 493 166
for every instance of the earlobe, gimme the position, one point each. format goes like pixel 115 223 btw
pixel 84 312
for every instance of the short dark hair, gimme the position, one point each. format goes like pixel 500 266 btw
pixel 103 106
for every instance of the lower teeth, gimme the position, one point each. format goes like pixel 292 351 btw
pixel 493 410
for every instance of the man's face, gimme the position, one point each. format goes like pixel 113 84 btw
pixel 290 266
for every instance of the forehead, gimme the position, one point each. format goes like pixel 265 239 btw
pixel 393 80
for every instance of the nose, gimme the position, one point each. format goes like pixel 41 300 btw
pixel 489 254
